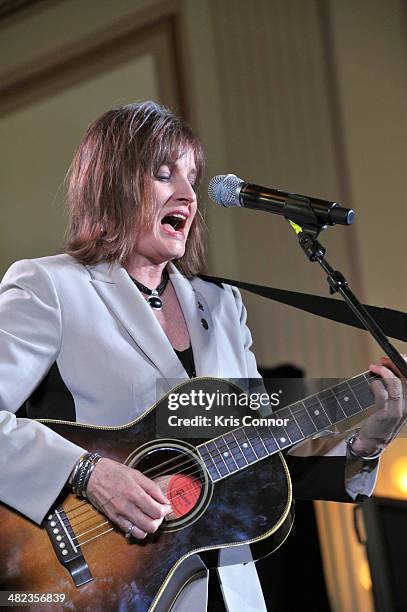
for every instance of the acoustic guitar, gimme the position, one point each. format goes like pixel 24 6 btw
pixel 231 502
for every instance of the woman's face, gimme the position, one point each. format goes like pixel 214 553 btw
pixel 173 191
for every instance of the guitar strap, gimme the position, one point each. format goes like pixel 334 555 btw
pixel 392 322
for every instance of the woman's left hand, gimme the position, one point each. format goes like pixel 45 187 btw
pixel 390 414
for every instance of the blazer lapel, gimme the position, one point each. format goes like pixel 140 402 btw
pixel 123 299
pixel 199 323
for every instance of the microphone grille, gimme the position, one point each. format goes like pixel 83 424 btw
pixel 224 189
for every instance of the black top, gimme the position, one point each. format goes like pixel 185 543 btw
pixel 187 359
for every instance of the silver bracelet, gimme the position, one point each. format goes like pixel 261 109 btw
pixel 82 472
pixel 95 460
pixel 349 444
pixel 74 472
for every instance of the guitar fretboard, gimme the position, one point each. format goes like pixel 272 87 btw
pixel 246 445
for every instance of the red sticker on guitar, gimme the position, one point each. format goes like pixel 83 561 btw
pixel 183 492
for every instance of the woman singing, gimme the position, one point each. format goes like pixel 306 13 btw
pixel 85 335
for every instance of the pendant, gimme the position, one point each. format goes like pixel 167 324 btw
pixel 155 302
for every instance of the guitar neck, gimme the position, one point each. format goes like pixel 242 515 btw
pixel 241 447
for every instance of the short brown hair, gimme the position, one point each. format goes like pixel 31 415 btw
pixel 108 188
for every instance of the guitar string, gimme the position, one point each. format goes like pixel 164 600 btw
pixel 86 505
pixel 92 529
pixel 223 463
pixel 103 533
pixel 112 528
pixel 91 514
pixel 88 513
pixel 96 537
pixel 302 411
pixel 79 514
pixel 199 470
pixel 91 509
pixel 82 503
pixel 186 489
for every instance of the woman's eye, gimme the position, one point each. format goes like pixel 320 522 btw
pixel 163 177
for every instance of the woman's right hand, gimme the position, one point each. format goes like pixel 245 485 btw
pixel 127 497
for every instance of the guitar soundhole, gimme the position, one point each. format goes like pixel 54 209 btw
pixel 181 477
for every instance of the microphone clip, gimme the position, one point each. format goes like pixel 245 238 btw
pixel 299 209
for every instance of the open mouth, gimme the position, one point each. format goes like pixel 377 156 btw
pixel 175 221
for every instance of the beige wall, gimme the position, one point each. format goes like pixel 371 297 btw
pixel 370 40
pixel 370 50
pixel 307 96
pixel 262 104
pixel 41 141
pixel 286 105
pixel 279 127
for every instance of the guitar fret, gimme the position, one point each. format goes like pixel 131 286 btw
pixel 246 431
pixel 364 393
pixel 354 395
pixel 268 439
pixel 293 428
pixel 256 442
pixel 235 449
pixel 303 419
pixel 217 459
pixel 209 463
pixel 281 437
pixel 245 446
pixel 332 406
pixel 325 412
pixel 319 417
pixel 295 421
pixel 226 455
pixel 260 437
pixel 346 398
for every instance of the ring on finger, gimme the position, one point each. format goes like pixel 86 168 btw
pixel 129 530
pixel 394 391
pixel 395 397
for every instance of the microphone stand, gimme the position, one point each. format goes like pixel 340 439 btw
pixel 298 211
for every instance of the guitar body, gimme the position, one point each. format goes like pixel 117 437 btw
pixel 212 525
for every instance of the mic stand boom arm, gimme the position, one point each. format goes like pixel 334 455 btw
pixel 307 236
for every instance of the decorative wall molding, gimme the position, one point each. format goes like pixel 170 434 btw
pixel 155 30
pixel 10 8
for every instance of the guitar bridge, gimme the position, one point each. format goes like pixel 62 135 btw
pixel 69 554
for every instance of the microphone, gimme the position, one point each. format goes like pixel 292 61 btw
pixel 229 190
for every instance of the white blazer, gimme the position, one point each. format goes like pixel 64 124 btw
pixel 110 350
pixel 92 322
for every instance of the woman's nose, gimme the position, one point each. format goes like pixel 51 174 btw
pixel 184 190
